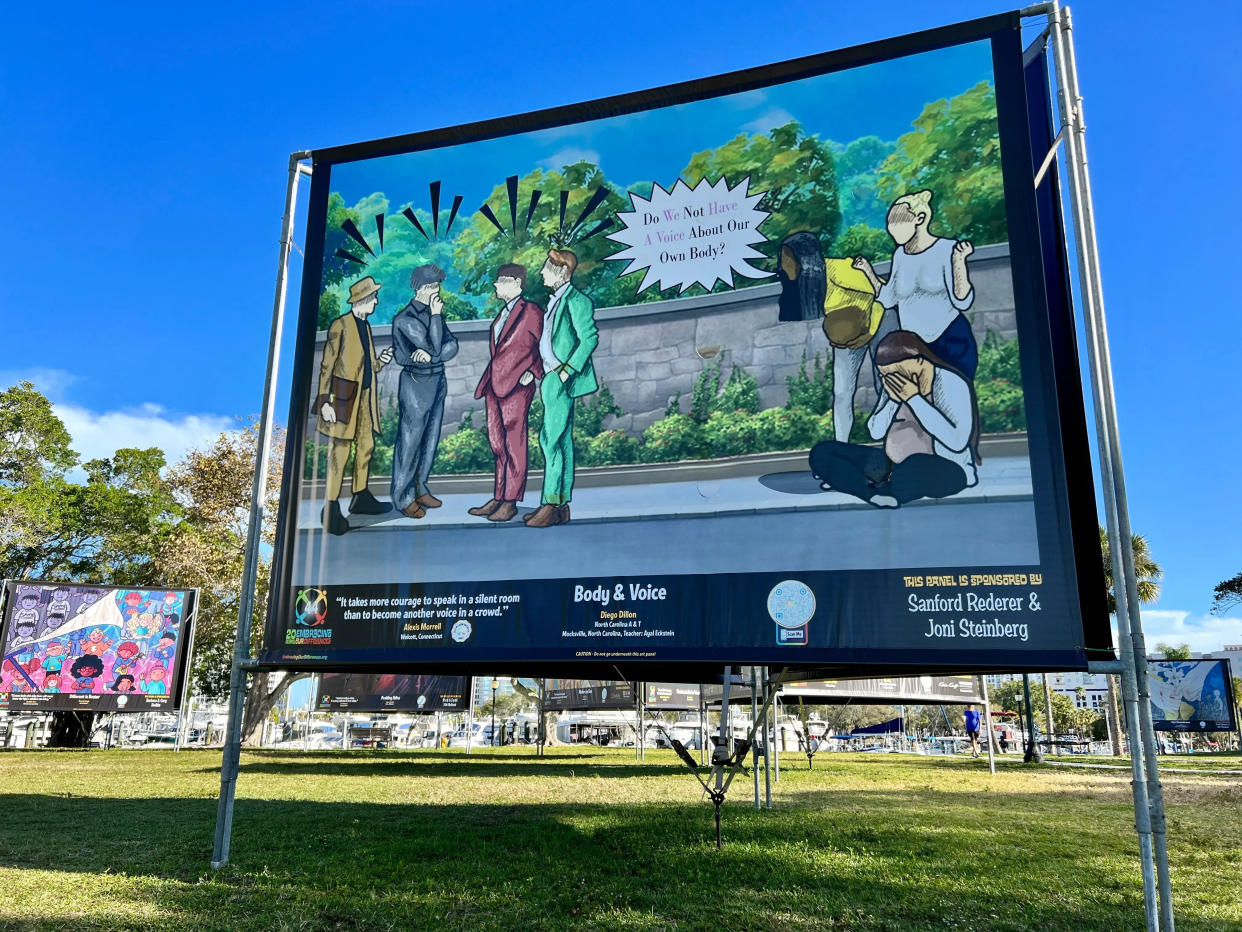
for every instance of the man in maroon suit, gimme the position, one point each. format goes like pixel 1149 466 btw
pixel 507 387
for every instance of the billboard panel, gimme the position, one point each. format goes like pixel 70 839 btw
pixel 933 689
pixel 771 367
pixel 94 648
pixel 671 696
pixel 926 690
pixel 582 695
pixel 391 692
pixel 1191 695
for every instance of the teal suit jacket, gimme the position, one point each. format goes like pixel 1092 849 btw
pixel 574 338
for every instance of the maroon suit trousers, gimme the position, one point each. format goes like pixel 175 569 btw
pixel 506 431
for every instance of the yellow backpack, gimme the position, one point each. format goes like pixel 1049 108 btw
pixel 851 312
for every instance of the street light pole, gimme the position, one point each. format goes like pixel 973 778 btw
pixel 495 686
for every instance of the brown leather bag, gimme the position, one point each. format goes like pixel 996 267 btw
pixel 344 393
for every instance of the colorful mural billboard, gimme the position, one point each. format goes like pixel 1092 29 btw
pixel 94 648
pixel 774 367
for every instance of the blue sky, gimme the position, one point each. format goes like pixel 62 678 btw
pixel 144 160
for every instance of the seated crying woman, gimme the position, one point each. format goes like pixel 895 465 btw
pixel 929 422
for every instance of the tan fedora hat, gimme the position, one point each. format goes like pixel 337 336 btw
pixel 362 289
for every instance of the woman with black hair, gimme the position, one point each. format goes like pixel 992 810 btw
pixel 84 671
pixel 929 422
pixel 804 280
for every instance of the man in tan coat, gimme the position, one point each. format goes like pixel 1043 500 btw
pixel 347 404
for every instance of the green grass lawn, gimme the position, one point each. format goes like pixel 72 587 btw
pixel 592 839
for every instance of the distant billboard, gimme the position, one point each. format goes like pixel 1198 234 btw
pixel 1191 695
pixel 87 648
pixel 593 374
pixel 931 689
pixel 392 692
pixel 671 696
pixel 916 690
pixel 584 695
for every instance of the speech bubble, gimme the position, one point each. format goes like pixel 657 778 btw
pixel 688 236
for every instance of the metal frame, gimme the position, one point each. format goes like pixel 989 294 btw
pixel 1149 817
pixel 245 610
pixel 1148 798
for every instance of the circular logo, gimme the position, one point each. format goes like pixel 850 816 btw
pixel 791 603
pixel 461 631
pixel 311 607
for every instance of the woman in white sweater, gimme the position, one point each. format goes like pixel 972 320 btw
pixel 929 422
pixel 928 284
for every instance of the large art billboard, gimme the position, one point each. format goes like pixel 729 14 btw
pixel 774 367
pixel 94 648
pixel 1191 695
pixel 391 692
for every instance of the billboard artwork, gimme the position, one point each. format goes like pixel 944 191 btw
pixel 93 649
pixel 774 366
pixel 588 694
pixel 1191 695
pixel 391 692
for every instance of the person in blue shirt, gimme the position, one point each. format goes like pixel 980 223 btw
pixel 972 729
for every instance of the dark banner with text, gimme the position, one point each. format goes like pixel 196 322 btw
pixel 392 692
pixel 675 618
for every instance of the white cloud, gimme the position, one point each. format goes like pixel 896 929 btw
pixel 568 156
pixel 1204 633
pixel 769 121
pixel 52 383
pixel 100 434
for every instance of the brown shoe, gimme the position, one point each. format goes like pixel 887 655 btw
pixel 504 512
pixel 562 514
pixel 427 500
pixel 414 510
pixel 484 510
pixel 544 516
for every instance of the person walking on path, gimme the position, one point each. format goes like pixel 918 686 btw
pixel 972 729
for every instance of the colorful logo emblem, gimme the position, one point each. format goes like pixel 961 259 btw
pixel 311 607
pixel 461 631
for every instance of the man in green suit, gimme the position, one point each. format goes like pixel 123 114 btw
pixel 568 340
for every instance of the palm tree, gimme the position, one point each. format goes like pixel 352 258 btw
pixel 1149 575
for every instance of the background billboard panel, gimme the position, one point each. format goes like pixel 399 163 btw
pixel 929 689
pixel 94 648
pixel 773 366
pixel 924 690
pixel 671 696
pixel 1191 695
pixel 391 692
pixel 588 694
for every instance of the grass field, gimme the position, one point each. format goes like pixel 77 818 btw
pixel 582 840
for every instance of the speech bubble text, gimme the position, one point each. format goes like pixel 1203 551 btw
pixel 686 236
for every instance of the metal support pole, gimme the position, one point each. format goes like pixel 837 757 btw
pixel 1052 742
pixel 721 751
pixel 1032 749
pixel 1148 799
pixel 258 492
pixel 702 727
pixel 470 718
pixel 754 715
pixel 780 736
pixel 987 723
pixel 767 744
